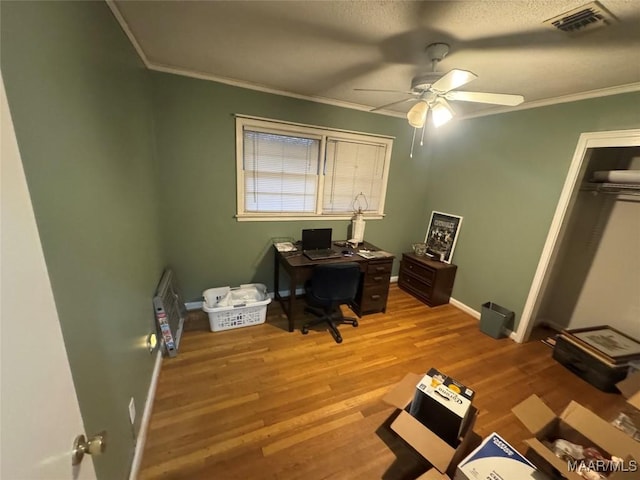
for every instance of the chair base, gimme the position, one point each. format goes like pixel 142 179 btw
pixel 332 318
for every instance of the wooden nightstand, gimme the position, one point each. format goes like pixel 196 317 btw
pixel 429 281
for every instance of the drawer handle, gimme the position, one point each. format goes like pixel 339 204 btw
pixel 375 297
pixel 379 269
pixel 410 267
pixel 577 367
pixel 377 279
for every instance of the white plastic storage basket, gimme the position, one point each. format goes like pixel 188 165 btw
pixel 241 306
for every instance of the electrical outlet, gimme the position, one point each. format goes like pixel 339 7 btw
pixel 132 410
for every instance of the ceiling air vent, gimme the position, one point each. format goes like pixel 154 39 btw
pixel 585 18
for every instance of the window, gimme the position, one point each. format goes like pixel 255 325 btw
pixel 288 171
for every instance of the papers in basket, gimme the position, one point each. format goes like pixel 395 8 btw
pixel 241 296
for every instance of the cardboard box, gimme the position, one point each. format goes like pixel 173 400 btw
pixel 628 419
pixel 578 425
pixel 433 474
pixel 442 456
pixel 442 404
pixel 495 458
pixel 630 388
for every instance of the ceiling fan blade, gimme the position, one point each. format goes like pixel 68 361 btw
pixel 384 91
pixel 392 104
pixel 481 97
pixel 453 79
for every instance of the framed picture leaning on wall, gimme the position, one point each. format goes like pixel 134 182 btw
pixel 442 235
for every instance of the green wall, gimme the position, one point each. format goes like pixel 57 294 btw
pixel 80 101
pixel 504 174
pixel 99 135
pixel 196 151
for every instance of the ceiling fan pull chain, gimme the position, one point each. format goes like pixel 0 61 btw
pixel 413 140
pixel 424 127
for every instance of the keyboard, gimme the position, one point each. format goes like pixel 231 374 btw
pixel 321 254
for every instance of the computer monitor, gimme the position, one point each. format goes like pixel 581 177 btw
pixel 316 238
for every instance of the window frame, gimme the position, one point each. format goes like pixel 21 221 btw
pixel 307 131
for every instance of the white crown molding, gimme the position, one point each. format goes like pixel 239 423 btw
pixel 230 81
pixel 603 92
pixel 125 28
pixel 260 88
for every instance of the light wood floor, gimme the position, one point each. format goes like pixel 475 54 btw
pixel 262 403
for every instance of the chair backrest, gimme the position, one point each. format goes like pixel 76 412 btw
pixel 335 283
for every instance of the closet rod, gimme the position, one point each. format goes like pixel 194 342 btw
pixel 612 188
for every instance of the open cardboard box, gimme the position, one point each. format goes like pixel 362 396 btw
pixel 433 474
pixel 496 459
pixel 630 420
pixel 436 451
pixel 630 388
pixel 577 425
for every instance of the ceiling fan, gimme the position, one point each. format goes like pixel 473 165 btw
pixel 430 91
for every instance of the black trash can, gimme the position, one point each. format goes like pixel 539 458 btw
pixel 494 319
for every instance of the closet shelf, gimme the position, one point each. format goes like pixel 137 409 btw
pixel 612 188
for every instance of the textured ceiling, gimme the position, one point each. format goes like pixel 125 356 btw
pixel 326 49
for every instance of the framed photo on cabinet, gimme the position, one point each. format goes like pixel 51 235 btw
pixel 442 235
pixel 614 345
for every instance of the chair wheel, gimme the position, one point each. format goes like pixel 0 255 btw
pixel 338 339
pixel 305 330
pixel 355 323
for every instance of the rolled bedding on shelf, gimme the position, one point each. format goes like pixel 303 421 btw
pixel 617 176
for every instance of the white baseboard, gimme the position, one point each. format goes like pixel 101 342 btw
pixel 476 314
pixel 193 306
pixel 146 416
pixel 283 293
pixel 465 308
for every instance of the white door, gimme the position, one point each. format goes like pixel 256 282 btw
pixel 40 416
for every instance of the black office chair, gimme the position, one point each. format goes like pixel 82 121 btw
pixel 330 286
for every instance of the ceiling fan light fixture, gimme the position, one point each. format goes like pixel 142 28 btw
pixel 418 114
pixel 440 113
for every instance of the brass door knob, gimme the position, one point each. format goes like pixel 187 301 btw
pixel 96 445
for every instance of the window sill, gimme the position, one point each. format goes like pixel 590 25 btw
pixel 281 218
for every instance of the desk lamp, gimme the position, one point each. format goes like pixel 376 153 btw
pixel 358 223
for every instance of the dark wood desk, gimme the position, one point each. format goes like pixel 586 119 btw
pixel 372 291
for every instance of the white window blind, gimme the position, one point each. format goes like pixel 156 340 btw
pixel 353 168
pixel 280 172
pixel 290 171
